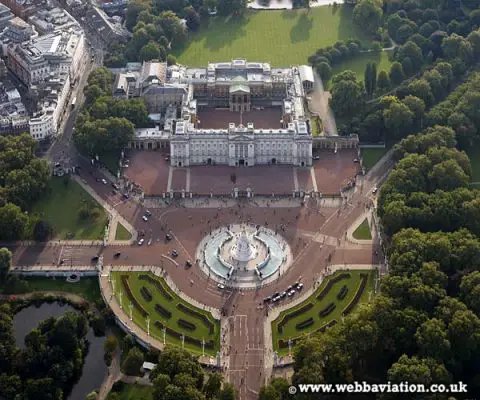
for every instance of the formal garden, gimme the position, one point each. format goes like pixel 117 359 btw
pixel 71 212
pixel 151 296
pixel 336 297
pixel 296 34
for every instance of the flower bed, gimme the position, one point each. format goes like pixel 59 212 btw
pixel 157 284
pixel 331 282
pixel 146 293
pixel 294 314
pixel 163 311
pixel 304 324
pixel 196 314
pixel 188 339
pixel 131 297
pixel 363 282
pixel 327 310
pixel 342 293
pixel 185 324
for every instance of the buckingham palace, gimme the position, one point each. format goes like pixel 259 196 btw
pixel 234 113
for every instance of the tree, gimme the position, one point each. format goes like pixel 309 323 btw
pixel 432 339
pixel 149 52
pixel 411 51
pixel 42 231
pixel 324 70
pixel 370 78
pixel 398 119
pixel 92 396
pixel 348 95
pixel 227 7
pixel 110 344
pixel 5 262
pixel 470 290
pixel 396 73
pixel 383 81
pixel 227 393
pixel 133 361
pixel 268 393
pixel 368 14
pixel 213 385
pixel 12 222
pixel 456 46
pixel 192 17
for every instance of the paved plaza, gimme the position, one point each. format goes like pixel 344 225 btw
pixel 318 233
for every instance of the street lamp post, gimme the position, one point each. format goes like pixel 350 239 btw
pixel 183 341
pixel 290 347
pixel 130 308
pixel 148 325
pixel 121 305
pixel 164 334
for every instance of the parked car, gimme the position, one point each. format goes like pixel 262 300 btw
pixel 291 293
pixel 267 299
pixel 174 253
pixel 220 286
pixel 140 242
pixel 115 186
pixel 356 160
pixel 283 295
pixel 375 190
pixel 148 213
pixel 104 181
pixel 168 237
pixel 145 218
pixel 299 286
pixel 126 196
pixel 316 157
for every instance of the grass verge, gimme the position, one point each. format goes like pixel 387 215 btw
pixel 363 231
pixel 121 233
pixel 61 206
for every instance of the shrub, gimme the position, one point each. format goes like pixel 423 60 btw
pixel 185 324
pixel 304 324
pixel 363 282
pixel 294 314
pixel 163 311
pixel 343 292
pixel 202 317
pixel 331 282
pixel 131 297
pixel 157 284
pixel 146 294
pixel 327 310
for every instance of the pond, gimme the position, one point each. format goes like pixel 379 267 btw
pixel 94 368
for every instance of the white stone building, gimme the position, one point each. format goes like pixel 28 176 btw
pixel 241 146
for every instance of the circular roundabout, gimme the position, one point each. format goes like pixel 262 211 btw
pixel 243 255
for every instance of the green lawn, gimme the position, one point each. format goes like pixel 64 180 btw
pixel 474 154
pixel 371 156
pixel 199 332
pixel 290 331
pixel 88 288
pixel 359 63
pixel 60 207
pixel 122 233
pixel 363 231
pixel 282 38
pixel 134 392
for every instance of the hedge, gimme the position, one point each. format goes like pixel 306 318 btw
pixel 163 311
pixel 363 282
pixel 208 344
pixel 185 324
pixel 327 310
pixel 284 343
pixel 304 324
pixel 202 317
pixel 323 328
pixel 342 293
pixel 331 282
pixel 293 314
pixel 131 297
pixel 157 284
pixel 146 293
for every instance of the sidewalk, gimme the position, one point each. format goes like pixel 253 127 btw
pixel 114 214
